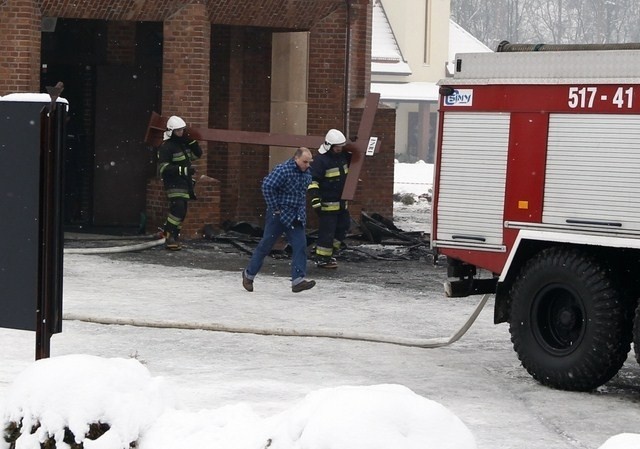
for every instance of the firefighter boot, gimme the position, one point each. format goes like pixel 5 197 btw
pixel 171 242
pixel 326 262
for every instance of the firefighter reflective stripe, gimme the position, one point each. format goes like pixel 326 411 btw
pixel 336 172
pixel 163 166
pixel 314 191
pixel 332 173
pixel 179 157
pixel 174 220
pixel 322 251
pixel 331 207
pixel 178 193
pixel 175 158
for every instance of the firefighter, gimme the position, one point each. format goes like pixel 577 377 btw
pixel 329 173
pixel 174 163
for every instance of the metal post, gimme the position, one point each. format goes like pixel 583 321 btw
pixel 48 258
pixel 43 346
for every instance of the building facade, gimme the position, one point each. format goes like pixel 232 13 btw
pixel 414 44
pixel 285 66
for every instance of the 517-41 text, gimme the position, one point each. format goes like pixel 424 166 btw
pixel 587 97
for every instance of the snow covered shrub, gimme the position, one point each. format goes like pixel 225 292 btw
pixel 405 198
pixel 14 430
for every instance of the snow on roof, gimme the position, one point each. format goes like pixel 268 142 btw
pixel 387 59
pixel 414 91
pixel 386 56
pixel 461 41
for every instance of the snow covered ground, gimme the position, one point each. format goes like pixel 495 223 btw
pixel 416 180
pixel 162 380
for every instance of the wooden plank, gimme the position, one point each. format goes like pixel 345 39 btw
pixel 357 148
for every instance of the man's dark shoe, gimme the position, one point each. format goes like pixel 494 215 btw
pixel 246 282
pixel 327 262
pixel 302 286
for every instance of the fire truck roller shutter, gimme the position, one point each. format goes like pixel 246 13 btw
pixel 588 177
pixel 473 172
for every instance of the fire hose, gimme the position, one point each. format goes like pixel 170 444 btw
pixel 115 249
pixel 436 342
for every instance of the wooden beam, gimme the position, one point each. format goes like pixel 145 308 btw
pixel 357 148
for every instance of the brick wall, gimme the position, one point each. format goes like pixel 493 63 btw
pixel 157 205
pixel 203 211
pixel 240 99
pixel 360 49
pixel 375 190
pixel 185 68
pixel 327 53
pixel 327 91
pixel 20 23
pixel 221 79
pixel 282 14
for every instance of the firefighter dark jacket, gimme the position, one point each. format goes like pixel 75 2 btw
pixel 174 164
pixel 329 174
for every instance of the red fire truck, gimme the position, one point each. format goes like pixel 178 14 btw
pixel 537 200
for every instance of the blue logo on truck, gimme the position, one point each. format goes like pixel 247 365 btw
pixel 459 97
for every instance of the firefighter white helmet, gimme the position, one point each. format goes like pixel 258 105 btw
pixel 174 122
pixel 333 137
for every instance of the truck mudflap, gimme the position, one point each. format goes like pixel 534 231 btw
pixel 466 284
pixel 468 287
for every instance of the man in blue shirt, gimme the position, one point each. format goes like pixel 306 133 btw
pixel 284 191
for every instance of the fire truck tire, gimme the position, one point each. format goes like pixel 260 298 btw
pixel 636 334
pixel 568 322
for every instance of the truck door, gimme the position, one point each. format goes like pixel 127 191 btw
pixel 471 190
pixel 593 171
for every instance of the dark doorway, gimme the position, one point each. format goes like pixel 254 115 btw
pixel 123 163
pixel 112 77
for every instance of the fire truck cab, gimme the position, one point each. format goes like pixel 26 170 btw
pixel 537 200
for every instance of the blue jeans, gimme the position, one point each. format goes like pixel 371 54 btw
pixel 296 237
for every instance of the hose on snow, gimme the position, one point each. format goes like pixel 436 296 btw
pixel 284 332
pixel 115 249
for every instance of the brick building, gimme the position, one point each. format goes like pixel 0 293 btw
pixel 286 66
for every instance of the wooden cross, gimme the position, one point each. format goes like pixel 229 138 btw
pixel 357 147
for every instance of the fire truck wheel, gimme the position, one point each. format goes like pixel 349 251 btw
pixel 568 323
pixel 636 334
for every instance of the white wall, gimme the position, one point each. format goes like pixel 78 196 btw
pixel 407 19
pixel 416 24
